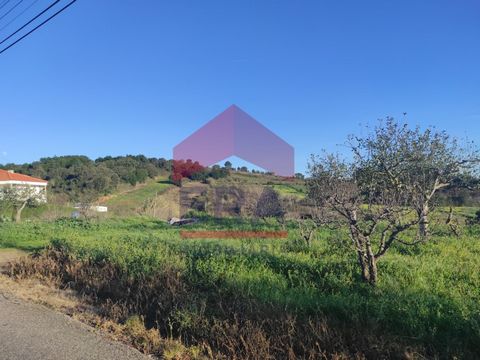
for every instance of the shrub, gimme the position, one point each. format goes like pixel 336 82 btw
pixel 269 205
pixel 475 220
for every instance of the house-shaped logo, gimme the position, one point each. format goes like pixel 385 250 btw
pixel 235 133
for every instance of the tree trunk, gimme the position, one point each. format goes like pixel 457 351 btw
pixel 424 222
pixel 372 264
pixel 18 212
pixel 368 265
pixel 373 274
pixel 363 266
pixel 366 258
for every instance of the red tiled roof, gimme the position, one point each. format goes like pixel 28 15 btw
pixel 8 176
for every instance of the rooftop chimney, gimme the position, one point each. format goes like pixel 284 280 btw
pixel 11 171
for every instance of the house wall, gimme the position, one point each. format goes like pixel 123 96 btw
pixel 35 190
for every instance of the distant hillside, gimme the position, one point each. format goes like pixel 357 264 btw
pixel 78 178
pixel 161 199
pixel 137 185
pixel 286 187
pixel 238 194
pixel 142 199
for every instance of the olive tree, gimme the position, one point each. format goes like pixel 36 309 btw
pixel 18 198
pixel 353 195
pixel 415 161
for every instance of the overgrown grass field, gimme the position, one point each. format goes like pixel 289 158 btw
pixel 131 200
pixel 427 299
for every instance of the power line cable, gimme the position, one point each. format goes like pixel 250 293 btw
pixel 37 27
pixel 4 3
pixel 20 14
pixel 29 22
pixel 11 9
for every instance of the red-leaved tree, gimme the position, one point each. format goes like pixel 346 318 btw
pixel 185 169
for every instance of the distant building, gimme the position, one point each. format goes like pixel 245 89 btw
pixel 96 208
pixel 87 210
pixel 37 188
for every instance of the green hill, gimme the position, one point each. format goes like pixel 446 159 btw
pixel 136 199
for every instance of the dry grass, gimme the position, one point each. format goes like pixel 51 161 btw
pixel 133 200
pixel 33 290
pixel 133 332
pixel 163 206
pixel 9 255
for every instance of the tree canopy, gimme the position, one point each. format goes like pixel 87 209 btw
pixel 79 176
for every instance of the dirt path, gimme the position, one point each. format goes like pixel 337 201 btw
pixel 33 332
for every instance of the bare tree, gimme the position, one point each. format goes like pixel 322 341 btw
pixel 352 194
pixel 86 203
pixel 419 163
pixel 18 198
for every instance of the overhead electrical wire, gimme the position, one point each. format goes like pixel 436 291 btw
pixel 4 3
pixel 11 9
pixel 19 14
pixel 36 27
pixel 30 21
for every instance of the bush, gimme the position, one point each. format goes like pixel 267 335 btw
pixel 476 219
pixel 269 205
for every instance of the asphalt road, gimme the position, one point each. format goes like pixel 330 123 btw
pixel 33 332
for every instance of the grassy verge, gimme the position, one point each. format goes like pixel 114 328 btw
pixel 268 298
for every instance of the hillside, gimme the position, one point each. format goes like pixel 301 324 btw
pixel 131 200
pixel 285 187
pixel 78 178
pixel 161 199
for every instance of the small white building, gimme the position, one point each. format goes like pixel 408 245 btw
pixel 94 208
pixel 37 188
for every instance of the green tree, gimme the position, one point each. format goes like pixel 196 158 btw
pixel 18 198
pixel 417 162
pixel 354 195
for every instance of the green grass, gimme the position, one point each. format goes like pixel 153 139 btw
pixel 429 295
pixel 132 200
pixel 42 212
pixel 290 190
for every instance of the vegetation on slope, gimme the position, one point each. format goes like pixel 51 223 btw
pixel 214 293
pixel 78 178
pixel 316 294
pixel 134 200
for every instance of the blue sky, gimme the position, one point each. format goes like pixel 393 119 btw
pixel 137 76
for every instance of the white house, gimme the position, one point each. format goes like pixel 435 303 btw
pixel 37 188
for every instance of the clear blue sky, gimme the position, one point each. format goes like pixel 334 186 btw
pixel 125 77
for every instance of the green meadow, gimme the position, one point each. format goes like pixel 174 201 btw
pixel 428 295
